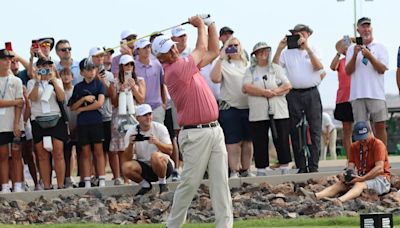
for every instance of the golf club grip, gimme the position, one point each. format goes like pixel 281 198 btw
pixel 273 127
pixel 187 22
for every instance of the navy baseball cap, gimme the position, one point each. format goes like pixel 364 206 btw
pixel 360 131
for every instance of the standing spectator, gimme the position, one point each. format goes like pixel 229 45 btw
pixel 328 140
pixel 179 36
pixel 234 109
pixel 48 128
pixel 107 79
pixel 266 85
pixel 11 101
pixel 67 79
pixel 201 139
pixel 22 74
pixel 150 69
pixel 87 98
pixel 367 63
pixel 224 34
pixel 127 82
pixel 304 69
pixel 343 110
pixel 108 52
pixel 45 45
pixel 127 48
pixel 152 162
pixel 63 51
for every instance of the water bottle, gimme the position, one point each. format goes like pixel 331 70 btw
pixel 16 144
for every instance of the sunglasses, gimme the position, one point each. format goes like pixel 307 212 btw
pixel 233 45
pixel 65 49
pixel 45 44
pixel 129 64
pixel 131 38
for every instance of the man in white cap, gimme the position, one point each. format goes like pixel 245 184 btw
pixel 179 35
pixel 151 70
pixel 107 79
pixel 127 37
pixel 366 62
pixel 201 138
pixel 151 144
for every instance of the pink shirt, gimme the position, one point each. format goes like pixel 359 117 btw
pixel 195 103
pixel 343 92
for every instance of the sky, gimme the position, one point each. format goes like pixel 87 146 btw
pixel 89 23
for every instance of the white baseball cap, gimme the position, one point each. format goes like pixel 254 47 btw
pixel 143 109
pixel 162 44
pixel 141 43
pixel 126 59
pixel 95 51
pixel 127 33
pixel 178 31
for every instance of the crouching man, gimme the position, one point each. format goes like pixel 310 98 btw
pixel 368 168
pixel 147 152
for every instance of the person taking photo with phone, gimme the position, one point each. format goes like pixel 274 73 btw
pixel 233 107
pixel 304 70
pixel 366 62
pixel 147 152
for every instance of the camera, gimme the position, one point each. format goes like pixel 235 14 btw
pixel 102 70
pixel 140 137
pixel 43 71
pixel 348 176
pixel 231 50
pixel 293 41
pixel 8 46
pixel 359 40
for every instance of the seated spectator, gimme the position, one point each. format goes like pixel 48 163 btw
pixel 48 129
pixel 151 145
pixel 368 168
pixel 11 101
pixel 328 137
pixel 87 98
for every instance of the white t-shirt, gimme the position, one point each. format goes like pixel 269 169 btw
pixel 366 82
pixel 299 68
pixel 10 89
pixel 259 105
pixel 215 87
pixel 42 108
pixel 231 84
pixel 327 123
pixel 144 149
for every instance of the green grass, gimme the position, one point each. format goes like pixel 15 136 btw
pixel 342 222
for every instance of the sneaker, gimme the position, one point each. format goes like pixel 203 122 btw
pixel 143 191
pixel 261 174
pixel 247 173
pixel 38 187
pixel 302 170
pixel 118 181
pixel 175 176
pixel 284 171
pixel 308 194
pixel 163 188
pixel 68 184
pixel 234 174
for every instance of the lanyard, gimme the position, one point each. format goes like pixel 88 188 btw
pixel 3 94
pixel 363 162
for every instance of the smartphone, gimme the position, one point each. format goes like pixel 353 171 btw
pixel 126 76
pixel 293 41
pixel 346 40
pixel 35 44
pixel 8 46
pixel 359 40
pixel 231 50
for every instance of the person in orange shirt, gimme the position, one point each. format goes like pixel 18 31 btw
pixel 368 168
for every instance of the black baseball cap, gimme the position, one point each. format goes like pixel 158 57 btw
pixel 224 30
pixel 301 27
pixel 363 20
pixel 43 61
pixel 86 64
pixel 6 54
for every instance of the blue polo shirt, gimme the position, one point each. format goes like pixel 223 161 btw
pixel 82 89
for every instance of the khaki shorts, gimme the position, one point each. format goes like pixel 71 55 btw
pixel 380 184
pixel 366 109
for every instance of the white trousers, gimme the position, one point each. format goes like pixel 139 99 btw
pixel 203 149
